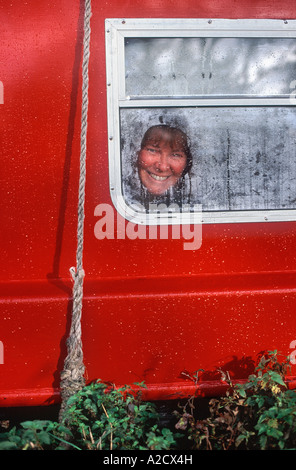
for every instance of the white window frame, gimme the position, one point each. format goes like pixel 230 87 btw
pixel 117 30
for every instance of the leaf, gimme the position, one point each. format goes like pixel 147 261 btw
pixel 260 401
pixel 37 424
pixel 8 445
pixel 242 392
pixel 273 432
pixel 263 441
pixel 44 438
pixel 239 439
pixel 277 378
pixel 64 430
pixel 282 444
pixel 261 429
pixel 66 442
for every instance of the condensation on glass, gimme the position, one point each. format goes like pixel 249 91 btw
pixel 173 67
pixel 244 158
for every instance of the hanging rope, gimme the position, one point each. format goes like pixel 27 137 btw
pixel 72 376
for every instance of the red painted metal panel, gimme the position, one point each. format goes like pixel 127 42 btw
pixel 151 309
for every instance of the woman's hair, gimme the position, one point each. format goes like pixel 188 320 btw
pixel 171 135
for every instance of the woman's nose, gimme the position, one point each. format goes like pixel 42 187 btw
pixel 162 163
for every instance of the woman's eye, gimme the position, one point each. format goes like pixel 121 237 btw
pixel 177 155
pixel 151 150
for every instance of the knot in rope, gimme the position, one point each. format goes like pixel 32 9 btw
pixel 77 274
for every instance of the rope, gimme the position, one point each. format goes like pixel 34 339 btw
pixel 72 376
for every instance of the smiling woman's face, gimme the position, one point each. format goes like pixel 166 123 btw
pixel 161 161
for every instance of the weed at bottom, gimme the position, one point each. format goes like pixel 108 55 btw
pixel 257 415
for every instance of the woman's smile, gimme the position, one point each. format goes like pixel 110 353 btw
pixel 160 166
pixel 158 177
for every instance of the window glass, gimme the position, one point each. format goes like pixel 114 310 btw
pixel 175 67
pixel 243 158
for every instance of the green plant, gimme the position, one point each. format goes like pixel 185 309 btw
pixel 256 415
pixel 259 414
pixel 275 406
pixel 98 417
pixel 34 435
pixel 115 419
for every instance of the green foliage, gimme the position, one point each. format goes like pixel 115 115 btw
pixel 257 415
pixel 97 418
pixel 33 435
pixel 115 419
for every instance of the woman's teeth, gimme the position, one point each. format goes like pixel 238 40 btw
pixel 158 178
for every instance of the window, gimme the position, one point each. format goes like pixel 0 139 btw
pixel 229 86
